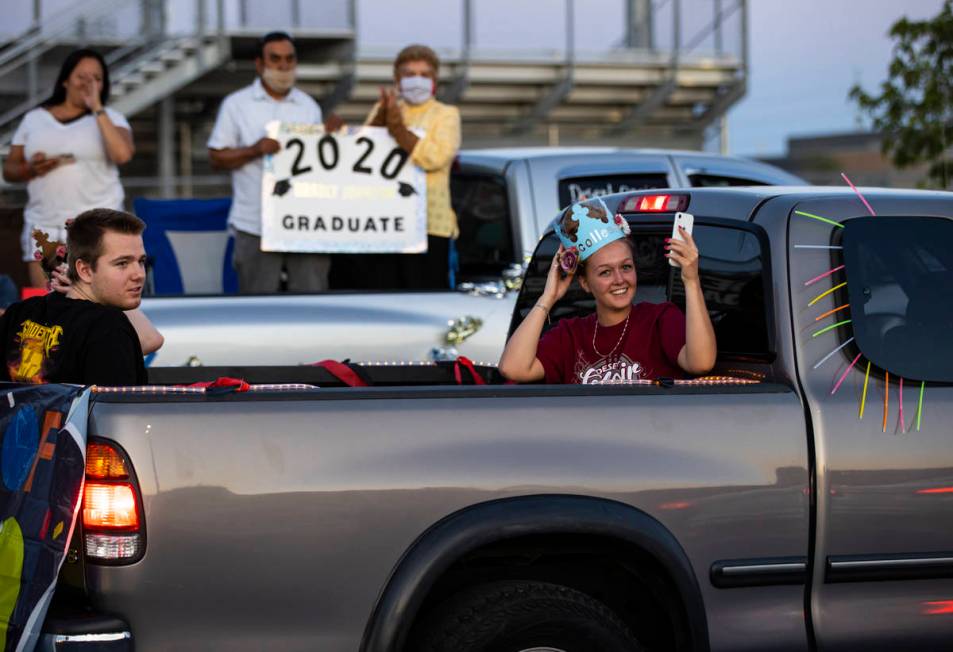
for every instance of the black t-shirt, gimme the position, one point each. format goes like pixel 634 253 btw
pixel 55 339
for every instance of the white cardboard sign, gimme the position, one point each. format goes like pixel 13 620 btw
pixel 333 193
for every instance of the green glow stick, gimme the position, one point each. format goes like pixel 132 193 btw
pixel 831 327
pixel 920 405
pixel 818 217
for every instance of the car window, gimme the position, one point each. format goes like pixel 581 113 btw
pixel 715 171
pixel 733 267
pixel 720 181
pixel 899 275
pixel 485 246
pixel 575 188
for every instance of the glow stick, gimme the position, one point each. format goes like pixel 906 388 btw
pixel 844 375
pixel 886 392
pixel 854 188
pixel 863 397
pixel 817 247
pixel 818 217
pixel 903 426
pixel 824 275
pixel 920 405
pixel 824 294
pixel 831 312
pixel 826 357
pixel 831 327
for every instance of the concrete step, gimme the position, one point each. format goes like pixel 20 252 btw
pixel 152 68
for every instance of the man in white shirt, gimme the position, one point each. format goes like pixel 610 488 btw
pixel 238 143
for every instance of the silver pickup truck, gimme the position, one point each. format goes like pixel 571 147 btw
pixel 801 501
pixel 504 199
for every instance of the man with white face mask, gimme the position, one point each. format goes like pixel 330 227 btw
pixel 411 104
pixel 238 143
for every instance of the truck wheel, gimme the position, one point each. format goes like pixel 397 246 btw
pixel 517 616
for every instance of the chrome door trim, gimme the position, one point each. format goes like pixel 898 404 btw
pixel 765 571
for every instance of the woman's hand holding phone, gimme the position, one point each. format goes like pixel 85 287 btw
pixel 681 248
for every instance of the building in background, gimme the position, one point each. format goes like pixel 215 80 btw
pixel 821 159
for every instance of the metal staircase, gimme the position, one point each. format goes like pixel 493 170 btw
pixel 145 67
pixel 166 68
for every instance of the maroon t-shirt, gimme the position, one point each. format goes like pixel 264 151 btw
pixel 649 350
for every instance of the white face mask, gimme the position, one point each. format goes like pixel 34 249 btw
pixel 416 90
pixel 279 81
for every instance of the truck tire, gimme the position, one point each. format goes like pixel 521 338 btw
pixel 518 616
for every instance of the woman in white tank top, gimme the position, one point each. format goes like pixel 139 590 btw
pixel 67 151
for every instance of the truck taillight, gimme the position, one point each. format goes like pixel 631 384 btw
pixel 103 462
pixel 660 203
pixel 112 507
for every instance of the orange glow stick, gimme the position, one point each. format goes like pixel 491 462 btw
pixel 831 312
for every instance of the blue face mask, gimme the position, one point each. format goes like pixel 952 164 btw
pixel 416 90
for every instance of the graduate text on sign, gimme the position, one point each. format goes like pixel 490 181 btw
pixel 333 193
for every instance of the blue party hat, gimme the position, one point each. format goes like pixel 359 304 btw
pixel 587 226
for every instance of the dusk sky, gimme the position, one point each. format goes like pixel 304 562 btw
pixel 805 54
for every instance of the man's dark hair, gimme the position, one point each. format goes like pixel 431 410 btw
pixel 84 239
pixel 271 37
pixel 69 64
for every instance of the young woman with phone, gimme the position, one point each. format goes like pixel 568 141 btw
pixel 67 151
pixel 620 342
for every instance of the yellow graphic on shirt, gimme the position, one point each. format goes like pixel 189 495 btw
pixel 36 342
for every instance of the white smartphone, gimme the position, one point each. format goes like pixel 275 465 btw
pixel 686 221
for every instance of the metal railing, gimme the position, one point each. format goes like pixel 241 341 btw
pixel 132 28
pixel 554 30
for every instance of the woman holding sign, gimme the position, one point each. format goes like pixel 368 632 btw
pixel 412 105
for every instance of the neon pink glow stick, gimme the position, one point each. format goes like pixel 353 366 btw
pixel 844 375
pixel 854 188
pixel 824 275
pixel 903 426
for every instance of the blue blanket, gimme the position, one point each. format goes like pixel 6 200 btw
pixel 42 468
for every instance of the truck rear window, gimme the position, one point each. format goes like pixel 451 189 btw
pixel 574 189
pixel 485 245
pixel 899 275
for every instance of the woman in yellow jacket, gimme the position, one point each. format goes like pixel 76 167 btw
pixel 412 105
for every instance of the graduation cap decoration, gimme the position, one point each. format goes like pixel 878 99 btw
pixel 282 186
pixel 405 189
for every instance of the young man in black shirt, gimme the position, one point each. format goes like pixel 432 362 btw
pixel 83 337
